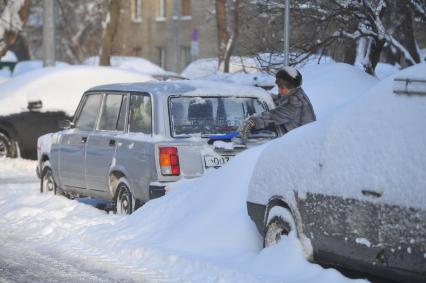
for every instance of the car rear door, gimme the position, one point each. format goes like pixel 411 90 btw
pixel 102 143
pixel 72 150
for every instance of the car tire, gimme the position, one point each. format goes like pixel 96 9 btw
pixel 7 147
pixel 280 223
pixel 124 201
pixel 47 183
pixel 277 227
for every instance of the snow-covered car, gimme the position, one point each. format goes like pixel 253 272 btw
pixel 128 141
pixel 351 187
pixel 32 103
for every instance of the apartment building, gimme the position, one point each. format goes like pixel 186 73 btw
pixel 170 33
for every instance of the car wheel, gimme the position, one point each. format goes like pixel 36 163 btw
pixel 7 147
pixel 278 227
pixel 48 184
pixel 124 202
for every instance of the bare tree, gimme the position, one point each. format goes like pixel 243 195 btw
pixel 13 17
pixel 110 31
pixel 228 31
pixel 336 26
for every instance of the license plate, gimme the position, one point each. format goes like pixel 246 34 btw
pixel 216 161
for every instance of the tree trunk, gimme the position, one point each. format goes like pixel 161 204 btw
pixel 111 30
pixel 20 48
pixel 374 51
pixel 222 31
pixel 407 32
pixel 11 28
pixel 233 39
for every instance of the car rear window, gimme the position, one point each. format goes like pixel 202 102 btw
pixel 210 115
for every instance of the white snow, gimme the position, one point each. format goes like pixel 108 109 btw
pixel 363 241
pixel 331 86
pixel 199 232
pixel 9 57
pixel 137 64
pixel 31 65
pixel 291 71
pixel 59 88
pixel 17 168
pixel 376 143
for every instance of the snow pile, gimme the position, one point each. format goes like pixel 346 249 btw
pixel 209 66
pixel 136 64
pixel 384 70
pixel 4 75
pixel 377 143
pixel 331 86
pixel 59 88
pixel 20 168
pixel 253 79
pixel 9 57
pixel 200 232
pixel 31 65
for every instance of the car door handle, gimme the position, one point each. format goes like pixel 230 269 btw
pixel 83 139
pixel 111 142
pixel 369 193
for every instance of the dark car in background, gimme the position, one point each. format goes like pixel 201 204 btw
pixel 32 104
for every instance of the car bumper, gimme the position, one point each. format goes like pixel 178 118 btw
pixel 157 190
pixel 257 214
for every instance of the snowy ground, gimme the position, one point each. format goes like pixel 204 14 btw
pixel 49 239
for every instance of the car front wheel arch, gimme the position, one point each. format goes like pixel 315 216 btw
pixel 280 221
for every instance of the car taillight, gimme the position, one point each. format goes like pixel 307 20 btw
pixel 169 161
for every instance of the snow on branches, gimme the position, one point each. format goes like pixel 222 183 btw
pixel 12 20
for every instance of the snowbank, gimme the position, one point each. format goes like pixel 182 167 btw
pixel 136 64
pixel 59 88
pixel 31 65
pixel 377 142
pixel 208 67
pixel 199 232
pixel 331 86
pixel 9 57
pixel 17 168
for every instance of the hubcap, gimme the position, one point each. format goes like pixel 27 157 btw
pixel 123 202
pixel 48 184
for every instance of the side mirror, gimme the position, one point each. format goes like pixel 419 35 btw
pixel 66 124
pixel 35 105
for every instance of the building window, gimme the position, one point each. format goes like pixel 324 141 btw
pixel 161 9
pixel 185 56
pixel 136 11
pixel 162 57
pixel 186 8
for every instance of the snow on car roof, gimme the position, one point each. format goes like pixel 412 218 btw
pixel 376 143
pixel 59 88
pixel 188 87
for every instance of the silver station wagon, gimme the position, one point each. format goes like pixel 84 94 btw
pixel 128 141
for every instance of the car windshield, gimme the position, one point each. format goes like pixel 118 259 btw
pixel 210 116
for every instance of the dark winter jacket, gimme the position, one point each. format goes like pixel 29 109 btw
pixel 292 110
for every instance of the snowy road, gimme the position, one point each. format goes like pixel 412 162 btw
pixel 45 238
pixel 27 257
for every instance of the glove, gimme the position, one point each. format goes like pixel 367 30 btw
pixel 246 127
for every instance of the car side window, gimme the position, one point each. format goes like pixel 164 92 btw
pixel 140 120
pixel 87 118
pixel 111 112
